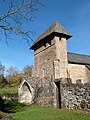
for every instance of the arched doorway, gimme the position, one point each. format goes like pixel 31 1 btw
pixel 25 93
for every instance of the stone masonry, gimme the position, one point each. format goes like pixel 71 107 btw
pixel 76 96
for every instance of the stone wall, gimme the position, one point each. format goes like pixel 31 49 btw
pixel 42 91
pixel 76 71
pixel 76 96
pixel 46 92
pixel 44 58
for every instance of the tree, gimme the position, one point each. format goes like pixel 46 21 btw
pixel 15 80
pixel 12 70
pixel 2 78
pixel 15 15
pixel 2 69
pixel 27 70
pixel 13 76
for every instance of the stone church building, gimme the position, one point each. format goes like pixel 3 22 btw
pixel 57 73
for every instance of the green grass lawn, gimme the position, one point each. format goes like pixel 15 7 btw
pixel 35 112
pixel 9 90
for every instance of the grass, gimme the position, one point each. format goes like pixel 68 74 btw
pixel 36 112
pixel 9 90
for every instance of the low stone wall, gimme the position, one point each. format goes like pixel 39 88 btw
pixel 75 96
pixel 71 96
pixel 43 91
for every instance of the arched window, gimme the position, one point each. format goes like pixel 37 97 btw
pixel 56 69
pixel 43 72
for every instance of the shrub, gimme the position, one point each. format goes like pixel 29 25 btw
pixel 1 103
pixel 5 116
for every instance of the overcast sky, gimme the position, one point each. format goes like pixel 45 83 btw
pixel 74 15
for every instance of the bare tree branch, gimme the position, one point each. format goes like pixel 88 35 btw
pixel 16 15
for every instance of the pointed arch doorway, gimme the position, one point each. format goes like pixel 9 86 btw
pixel 25 93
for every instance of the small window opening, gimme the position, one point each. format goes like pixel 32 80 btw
pixel 43 72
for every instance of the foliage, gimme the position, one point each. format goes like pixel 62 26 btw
pixel 5 116
pixel 9 93
pixel 14 80
pixel 2 81
pixel 27 70
pixel 16 15
pixel 13 106
pixel 13 76
pixel 2 78
pixel 2 69
pixel 1 103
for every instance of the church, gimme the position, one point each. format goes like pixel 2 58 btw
pixel 52 59
pixel 54 68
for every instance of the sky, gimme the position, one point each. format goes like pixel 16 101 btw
pixel 74 15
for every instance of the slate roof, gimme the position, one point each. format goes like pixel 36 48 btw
pixel 55 28
pixel 78 58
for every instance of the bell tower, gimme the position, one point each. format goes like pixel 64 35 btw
pixel 50 52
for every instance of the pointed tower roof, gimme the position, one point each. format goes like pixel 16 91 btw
pixel 55 28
